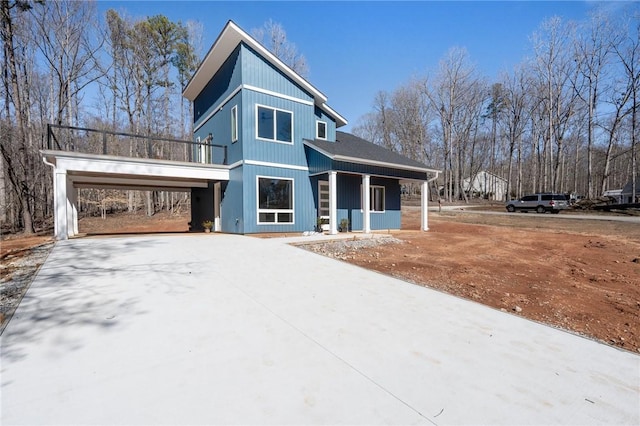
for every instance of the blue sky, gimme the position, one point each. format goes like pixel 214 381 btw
pixel 355 49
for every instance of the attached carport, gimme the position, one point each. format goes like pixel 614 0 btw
pixel 73 170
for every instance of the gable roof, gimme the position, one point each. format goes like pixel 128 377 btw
pixel 352 149
pixel 230 37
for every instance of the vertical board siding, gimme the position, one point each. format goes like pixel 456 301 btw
pixel 225 81
pixel 258 72
pixel 304 215
pixel 232 207
pixel 270 151
pixel 331 124
pixel 219 125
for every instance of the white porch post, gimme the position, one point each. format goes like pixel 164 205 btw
pixel 72 205
pixel 61 229
pixel 333 207
pixel 424 198
pixel 366 200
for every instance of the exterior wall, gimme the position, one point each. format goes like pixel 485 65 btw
pixel 304 218
pixel 331 124
pixel 349 201
pixel 221 85
pixel 259 73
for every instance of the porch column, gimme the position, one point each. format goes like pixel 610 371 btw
pixel 333 206
pixel 366 200
pixel 61 229
pixel 424 202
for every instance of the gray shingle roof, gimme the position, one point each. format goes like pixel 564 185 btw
pixel 351 148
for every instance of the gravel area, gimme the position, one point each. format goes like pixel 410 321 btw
pixel 17 271
pixel 346 249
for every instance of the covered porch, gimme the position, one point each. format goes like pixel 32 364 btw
pixel 356 180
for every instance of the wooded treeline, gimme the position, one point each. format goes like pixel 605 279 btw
pixel 53 51
pixel 564 120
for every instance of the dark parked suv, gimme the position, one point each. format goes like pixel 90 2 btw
pixel 541 203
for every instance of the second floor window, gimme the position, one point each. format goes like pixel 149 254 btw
pixel 321 130
pixel 274 124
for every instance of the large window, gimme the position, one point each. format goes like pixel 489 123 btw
pixel 275 200
pixel 274 124
pixel 234 123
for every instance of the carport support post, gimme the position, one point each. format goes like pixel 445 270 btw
pixel 72 209
pixel 333 209
pixel 60 204
pixel 424 202
pixel 366 217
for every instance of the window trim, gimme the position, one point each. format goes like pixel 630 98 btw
pixel 371 199
pixel 275 124
pixel 234 124
pixel 276 211
pixel 318 122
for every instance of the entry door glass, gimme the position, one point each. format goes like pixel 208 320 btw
pixel 323 198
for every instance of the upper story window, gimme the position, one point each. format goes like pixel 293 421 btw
pixel 274 124
pixel 234 123
pixel 321 130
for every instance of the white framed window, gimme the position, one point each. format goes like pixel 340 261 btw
pixel 275 200
pixel 376 199
pixel 321 130
pixel 273 124
pixel 234 123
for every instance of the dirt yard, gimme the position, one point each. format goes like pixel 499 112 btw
pixel 582 276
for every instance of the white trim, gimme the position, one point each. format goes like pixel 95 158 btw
pixel 276 211
pixel 275 124
pixel 277 165
pixel 363 199
pixel 234 123
pixel 372 189
pixel 318 128
pixel 277 95
pixel 217 108
pixel 321 191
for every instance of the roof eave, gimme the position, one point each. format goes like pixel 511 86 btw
pixel 365 161
pixel 229 38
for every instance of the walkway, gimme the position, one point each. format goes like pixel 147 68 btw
pixel 211 329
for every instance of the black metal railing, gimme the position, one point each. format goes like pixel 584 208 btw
pixel 121 144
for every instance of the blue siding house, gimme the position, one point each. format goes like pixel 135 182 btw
pixel 288 163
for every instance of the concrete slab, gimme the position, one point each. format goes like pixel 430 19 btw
pixel 210 329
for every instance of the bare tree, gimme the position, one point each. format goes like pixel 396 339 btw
pixel 273 36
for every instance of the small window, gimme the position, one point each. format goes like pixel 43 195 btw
pixel 275 200
pixel 321 130
pixel 274 124
pixel 377 199
pixel 234 123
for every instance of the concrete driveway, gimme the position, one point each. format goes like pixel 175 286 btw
pixel 210 329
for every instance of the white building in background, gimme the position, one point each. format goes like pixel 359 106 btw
pixel 486 185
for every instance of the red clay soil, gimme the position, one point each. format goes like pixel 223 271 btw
pixel 582 276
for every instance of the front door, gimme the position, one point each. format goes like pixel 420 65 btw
pixel 323 203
